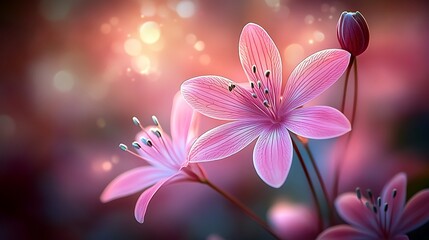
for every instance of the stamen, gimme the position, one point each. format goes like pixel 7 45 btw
pixel 156 132
pixel 266 91
pixel 374 208
pixel 231 87
pixel 358 193
pixel 146 141
pixel 386 207
pixel 136 121
pixel 369 193
pixel 123 147
pixel 252 85
pixel 254 68
pixel 259 84
pixel 379 201
pixel 266 104
pixel 267 73
pixel 254 95
pixel 155 120
pixel 367 205
pixel 136 145
pixel 394 193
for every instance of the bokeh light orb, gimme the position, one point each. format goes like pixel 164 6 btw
pixel 185 9
pixel 63 81
pixel 141 64
pixel 132 47
pixel 150 32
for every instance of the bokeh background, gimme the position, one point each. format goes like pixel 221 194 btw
pixel 74 72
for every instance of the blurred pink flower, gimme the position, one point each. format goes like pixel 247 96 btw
pixel 293 221
pixel 260 110
pixel 384 217
pixel 167 159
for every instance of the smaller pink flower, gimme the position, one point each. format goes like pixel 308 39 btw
pixel 383 217
pixel 166 158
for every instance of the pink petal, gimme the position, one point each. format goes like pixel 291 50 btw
pixel 416 212
pixel 225 140
pixel 272 156
pixel 210 96
pixel 317 122
pixel 396 205
pixel 257 49
pixel 341 232
pixel 313 76
pixel 132 181
pixel 146 196
pixel 184 124
pixel 353 211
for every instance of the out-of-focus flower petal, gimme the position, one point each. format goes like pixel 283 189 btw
pixel 272 156
pixel 146 196
pixel 225 140
pixel 396 204
pixel 317 122
pixel 416 212
pixel 313 76
pixel 258 53
pixel 211 96
pixel 354 212
pixel 345 232
pixel 132 181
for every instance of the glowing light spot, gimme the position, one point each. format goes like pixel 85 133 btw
pixel 150 32
pixel 324 7
pixel 148 9
pixel 106 166
pixel 309 19
pixel 101 123
pixel 199 46
pixel 330 17
pixel 274 4
pixel 105 28
pixel 310 41
pixel 63 81
pixel 205 59
pixel 185 9
pixel 332 9
pixel 132 47
pixel 114 21
pixel 191 38
pixel 141 64
pixel 318 36
pixel 115 159
pixel 294 54
pixel 7 126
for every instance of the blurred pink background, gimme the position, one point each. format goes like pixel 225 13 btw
pixel 73 73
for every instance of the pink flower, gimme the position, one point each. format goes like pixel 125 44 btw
pixel 259 109
pixel 384 217
pixel 166 158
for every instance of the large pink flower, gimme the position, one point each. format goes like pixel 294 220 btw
pixel 259 109
pixel 167 159
pixel 384 217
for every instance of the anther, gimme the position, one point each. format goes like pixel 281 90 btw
pixel 146 141
pixel 254 68
pixel 254 95
pixel 394 193
pixel 123 147
pixel 374 208
pixel 379 201
pixel 136 121
pixel 358 193
pixel 267 73
pixel 136 145
pixel 149 143
pixel 252 84
pixel 231 87
pixel 259 84
pixel 386 207
pixel 367 205
pixel 156 132
pixel 155 120
pixel 266 104
pixel 369 193
pixel 266 90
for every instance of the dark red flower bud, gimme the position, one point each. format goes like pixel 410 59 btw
pixel 353 32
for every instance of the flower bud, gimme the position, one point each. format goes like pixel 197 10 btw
pixel 353 32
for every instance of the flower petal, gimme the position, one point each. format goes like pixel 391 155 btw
pixel 225 140
pixel 132 181
pixel 341 232
pixel 396 204
pixel 258 53
pixel 184 125
pixel 146 196
pixel 272 156
pixel 317 122
pixel 313 76
pixel 353 211
pixel 210 96
pixel 416 212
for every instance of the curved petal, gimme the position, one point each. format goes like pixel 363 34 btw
pixel 396 204
pixel 353 211
pixel 317 122
pixel 313 76
pixel 210 95
pixel 225 140
pixel 184 124
pixel 258 53
pixel 416 212
pixel 272 156
pixel 132 181
pixel 341 232
pixel 146 196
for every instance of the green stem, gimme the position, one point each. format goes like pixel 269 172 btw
pixel 310 183
pixel 243 208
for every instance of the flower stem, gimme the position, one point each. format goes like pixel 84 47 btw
pixel 320 179
pixel 310 183
pixel 353 60
pixel 243 208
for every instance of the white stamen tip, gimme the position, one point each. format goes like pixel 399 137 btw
pixel 266 91
pixel 155 120
pixel 146 142
pixel 123 147
pixel 259 84
pixel 266 104
pixel 267 73
pixel 254 95
pixel 156 132
pixel 136 121
pixel 136 145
